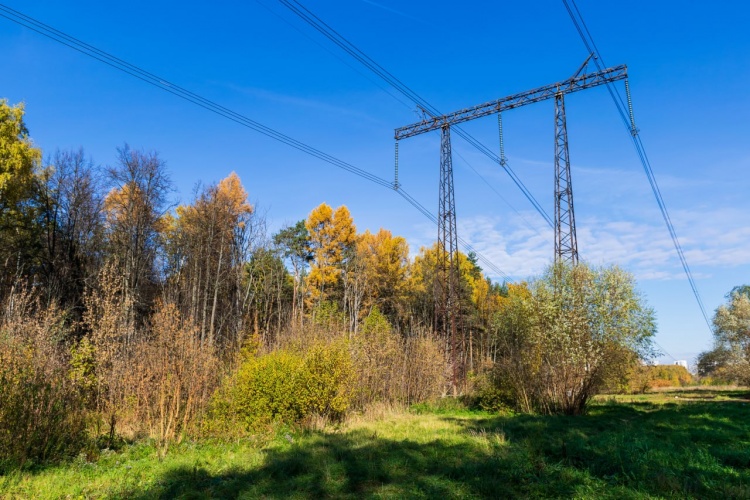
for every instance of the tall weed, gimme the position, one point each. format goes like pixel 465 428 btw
pixel 42 415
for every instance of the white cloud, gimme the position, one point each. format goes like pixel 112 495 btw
pixel 710 239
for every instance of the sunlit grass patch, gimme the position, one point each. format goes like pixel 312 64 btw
pixel 651 448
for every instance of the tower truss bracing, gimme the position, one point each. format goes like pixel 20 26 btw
pixel 566 244
pixel 447 285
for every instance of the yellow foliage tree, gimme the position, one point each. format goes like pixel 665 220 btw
pixel 19 162
pixel 18 157
pixel 332 239
pixel 384 262
pixel 474 288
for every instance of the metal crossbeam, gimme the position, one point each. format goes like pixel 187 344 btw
pixel 578 82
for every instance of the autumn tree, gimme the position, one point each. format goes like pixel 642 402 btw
pixel 384 264
pixel 332 239
pixel 730 357
pixel 207 248
pixel 486 299
pixel 575 329
pixel 422 284
pixel 19 228
pixel 477 301
pixel 134 211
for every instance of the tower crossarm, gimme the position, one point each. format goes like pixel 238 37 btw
pixel 574 84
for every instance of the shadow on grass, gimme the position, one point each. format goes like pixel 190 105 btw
pixel 618 451
pixel 359 464
pixel 691 449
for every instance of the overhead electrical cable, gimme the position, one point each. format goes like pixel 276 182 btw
pixel 526 222
pixel 295 28
pixel 396 98
pixel 664 351
pixel 625 112
pixel 321 26
pixel 163 84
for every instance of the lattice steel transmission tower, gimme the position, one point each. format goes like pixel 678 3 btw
pixel 447 295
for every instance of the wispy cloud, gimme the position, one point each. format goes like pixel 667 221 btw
pixel 711 239
pixel 291 100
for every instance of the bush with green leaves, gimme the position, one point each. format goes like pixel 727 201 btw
pixel 730 357
pixel 286 386
pixel 568 334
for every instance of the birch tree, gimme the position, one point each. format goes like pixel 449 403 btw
pixel 207 250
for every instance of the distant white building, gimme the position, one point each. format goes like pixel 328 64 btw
pixel 682 363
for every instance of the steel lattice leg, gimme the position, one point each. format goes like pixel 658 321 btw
pixel 447 299
pixel 566 244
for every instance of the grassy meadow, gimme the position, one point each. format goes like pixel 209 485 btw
pixel 670 444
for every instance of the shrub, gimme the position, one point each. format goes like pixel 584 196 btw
pixel 42 416
pixel 486 394
pixel 425 369
pixel 171 377
pixel 329 380
pixel 379 359
pixel 639 378
pixel 395 370
pixel 568 335
pixel 668 376
pixel 285 386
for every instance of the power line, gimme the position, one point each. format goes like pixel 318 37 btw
pixel 163 84
pixel 295 28
pixel 664 351
pixel 516 180
pixel 326 30
pixel 178 91
pixel 528 224
pixel 627 118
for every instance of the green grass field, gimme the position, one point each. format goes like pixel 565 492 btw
pixel 670 444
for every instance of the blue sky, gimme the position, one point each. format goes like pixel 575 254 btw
pixel 689 65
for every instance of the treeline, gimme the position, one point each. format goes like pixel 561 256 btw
pixel 70 228
pixel 124 315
